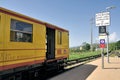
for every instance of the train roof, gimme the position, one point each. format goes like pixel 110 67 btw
pixel 6 11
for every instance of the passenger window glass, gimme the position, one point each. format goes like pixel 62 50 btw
pixel 21 31
pixel 59 39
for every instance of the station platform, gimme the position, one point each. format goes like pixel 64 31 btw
pixel 111 70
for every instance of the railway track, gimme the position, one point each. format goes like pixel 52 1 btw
pixel 69 64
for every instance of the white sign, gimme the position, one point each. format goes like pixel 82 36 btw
pixel 103 19
pixel 102 37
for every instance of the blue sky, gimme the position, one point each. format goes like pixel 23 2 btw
pixel 73 15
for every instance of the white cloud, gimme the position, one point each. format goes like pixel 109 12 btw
pixel 113 37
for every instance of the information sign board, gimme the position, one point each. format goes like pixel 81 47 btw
pixel 102 43
pixel 103 19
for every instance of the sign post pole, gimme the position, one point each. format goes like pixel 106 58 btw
pixel 102 54
pixel 102 46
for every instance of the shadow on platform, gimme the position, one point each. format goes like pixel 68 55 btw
pixel 77 73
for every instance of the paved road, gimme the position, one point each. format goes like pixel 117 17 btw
pixel 92 71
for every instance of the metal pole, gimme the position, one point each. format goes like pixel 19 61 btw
pixel 102 54
pixel 91 21
pixel 108 10
pixel 107 33
pixel 107 47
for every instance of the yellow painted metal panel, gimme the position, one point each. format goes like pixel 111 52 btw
pixel 40 40
pixel 40 36
pixel 1 29
pixel 62 50
pixel 18 52
pixel 18 61
pixel 2 24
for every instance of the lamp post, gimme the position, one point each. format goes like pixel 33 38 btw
pixel 110 7
pixel 107 33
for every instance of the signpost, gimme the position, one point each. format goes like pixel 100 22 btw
pixel 102 30
pixel 102 43
pixel 103 19
pixel 102 46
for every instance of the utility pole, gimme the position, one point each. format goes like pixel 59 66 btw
pixel 91 22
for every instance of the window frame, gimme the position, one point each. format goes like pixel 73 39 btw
pixel 22 32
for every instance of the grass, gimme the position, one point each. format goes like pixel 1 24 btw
pixel 77 55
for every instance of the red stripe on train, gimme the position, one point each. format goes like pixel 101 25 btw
pixel 6 67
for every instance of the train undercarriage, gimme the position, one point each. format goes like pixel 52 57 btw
pixel 33 72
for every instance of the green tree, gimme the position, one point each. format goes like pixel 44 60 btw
pixel 112 46
pixel 95 45
pixel 117 46
pixel 86 46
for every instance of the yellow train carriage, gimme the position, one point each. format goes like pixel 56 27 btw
pixel 26 42
pixel 16 49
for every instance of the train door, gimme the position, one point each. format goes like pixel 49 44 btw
pixel 50 36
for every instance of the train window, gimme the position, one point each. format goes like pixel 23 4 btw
pixel 59 38
pixel 20 31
